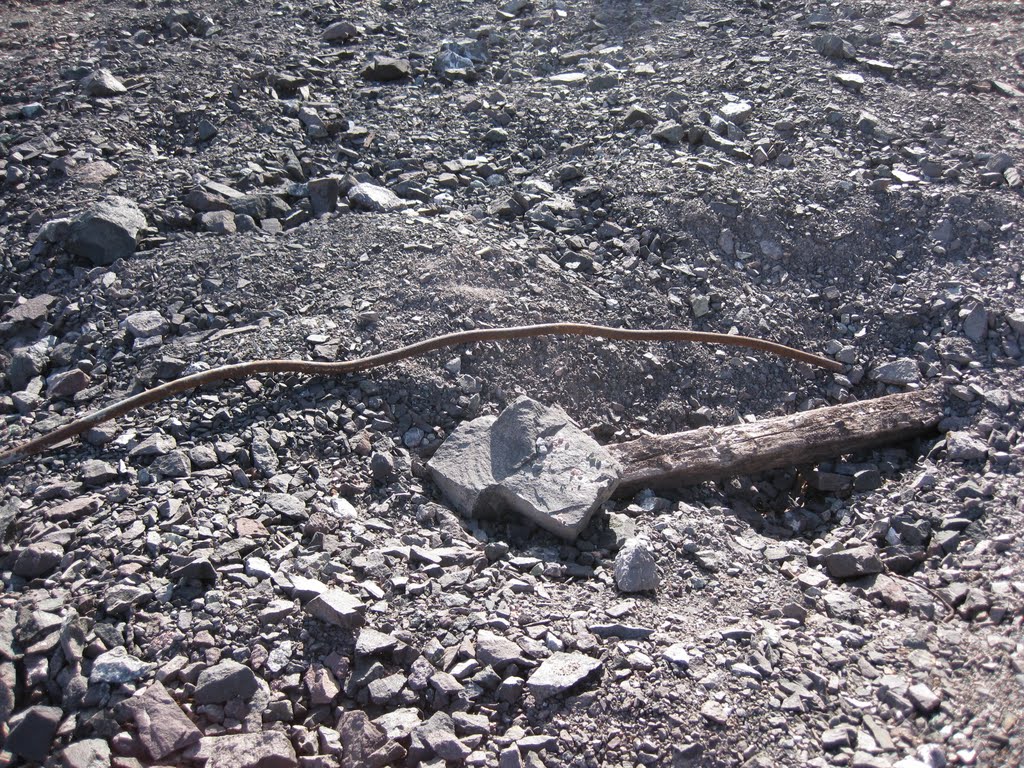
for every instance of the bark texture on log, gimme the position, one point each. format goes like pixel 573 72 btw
pixel 711 453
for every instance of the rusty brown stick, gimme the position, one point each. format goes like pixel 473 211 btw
pixel 242 370
pixel 712 453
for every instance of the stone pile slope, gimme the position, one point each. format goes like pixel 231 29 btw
pixel 265 574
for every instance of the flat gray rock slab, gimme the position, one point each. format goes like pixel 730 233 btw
pixel 337 607
pixel 370 197
pixel 531 459
pixel 563 673
pixel 161 724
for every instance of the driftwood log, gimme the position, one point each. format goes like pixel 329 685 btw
pixel 713 453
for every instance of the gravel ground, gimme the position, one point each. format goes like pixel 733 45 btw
pixel 263 574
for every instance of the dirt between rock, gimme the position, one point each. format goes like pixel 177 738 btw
pixel 264 574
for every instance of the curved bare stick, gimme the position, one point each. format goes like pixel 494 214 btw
pixel 241 370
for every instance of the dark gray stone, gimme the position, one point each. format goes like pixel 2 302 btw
pixel 323 194
pixel 224 681
pixel 32 732
pixel 102 83
pixel 849 563
pixel 161 725
pixel 38 559
pixel 107 232
pixel 340 32
pixel 27 363
pixel 337 607
pixel 383 69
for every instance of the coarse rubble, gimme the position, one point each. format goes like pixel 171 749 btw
pixel 265 574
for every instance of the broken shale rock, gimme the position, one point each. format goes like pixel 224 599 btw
pixel 225 681
pixel 269 749
pixel 161 725
pixel 106 232
pixel 531 459
pixel 561 673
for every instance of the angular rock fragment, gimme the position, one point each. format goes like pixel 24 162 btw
pixel 562 673
pixel 857 561
pixel 32 731
pixel 27 363
pixel 88 753
pixel 531 459
pixel 340 32
pixel 38 559
pixel 716 713
pixel 106 232
pixel 963 446
pixel 899 372
pixel 174 464
pixel 670 132
pixel 834 47
pixel 323 194
pixel 224 681
pixel 384 69
pixel 67 383
pixel 117 666
pixel 370 197
pixel 365 744
pixel 436 736
pixel 103 83
pixel 337 607
pixel 497 651
pixel 267 749
pixel 635 567
pixel 144 325
pixel 219 222
pixel 161 725
pixel 371 642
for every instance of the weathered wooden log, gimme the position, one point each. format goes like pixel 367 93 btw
pixel 712 453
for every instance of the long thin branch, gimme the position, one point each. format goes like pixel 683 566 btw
pixel 243 370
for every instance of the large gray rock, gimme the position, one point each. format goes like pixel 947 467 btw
pixel 562 673
pixel 26 363
pixel 900 372
pixel 145 324
pixel 436 736
pixel 384 69
pixel 857 561
pixel 107 232
pixel 38 559
pixel 32 731
pixel 365 744
pixel 88 753
pixel 118 666
pixel 267 749
pixel 635 567
pixel 531 459
pixel 161 724
pixel 224 681
pixel 337 607
pixel 102 83
pixel 371 197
